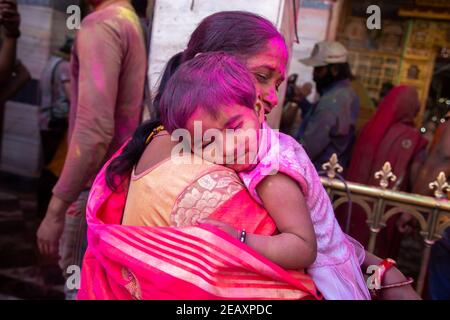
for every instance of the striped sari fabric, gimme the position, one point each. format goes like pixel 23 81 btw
pixel 193 262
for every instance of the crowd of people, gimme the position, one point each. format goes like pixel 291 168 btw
pixel 330 126
pixel 143 223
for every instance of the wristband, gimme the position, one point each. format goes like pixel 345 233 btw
pixel 243 236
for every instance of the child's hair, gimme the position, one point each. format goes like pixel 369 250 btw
pixel 209 81
pixel 241 34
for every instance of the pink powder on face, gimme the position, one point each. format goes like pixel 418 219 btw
pixel 272 63
pixel 278 51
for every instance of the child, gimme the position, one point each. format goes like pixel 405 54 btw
pixel 294 197
pixel 336 270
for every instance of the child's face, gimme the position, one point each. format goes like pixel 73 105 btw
pixel 230 139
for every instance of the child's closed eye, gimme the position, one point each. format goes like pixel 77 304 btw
pixel 238 126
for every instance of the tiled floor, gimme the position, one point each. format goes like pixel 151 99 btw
pixel 23 274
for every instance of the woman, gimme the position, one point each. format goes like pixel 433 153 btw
pixel 258 44
pixel 192 261
pixel 389 136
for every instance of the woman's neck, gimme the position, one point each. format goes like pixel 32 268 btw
pixel 158 150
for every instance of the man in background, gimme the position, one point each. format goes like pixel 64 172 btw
pixel 108 70
pixel 329 125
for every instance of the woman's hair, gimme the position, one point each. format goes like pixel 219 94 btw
pixel 241 34
pixel 209 81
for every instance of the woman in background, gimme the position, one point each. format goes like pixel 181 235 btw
pixel 389 136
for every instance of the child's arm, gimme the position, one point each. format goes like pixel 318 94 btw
pixel 295 247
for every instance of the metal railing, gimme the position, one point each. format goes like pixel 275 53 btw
pixel 380 204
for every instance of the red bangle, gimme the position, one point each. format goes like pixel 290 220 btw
pixel 384 266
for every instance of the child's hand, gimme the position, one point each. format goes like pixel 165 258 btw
pixel 221 225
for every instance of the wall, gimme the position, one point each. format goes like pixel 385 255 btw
pixel 313 22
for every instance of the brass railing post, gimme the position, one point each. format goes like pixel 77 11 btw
pixel 385 175
pixel 435 208
pixel 426 254
pixel 332 168
pixel 374 226
pixel 441 187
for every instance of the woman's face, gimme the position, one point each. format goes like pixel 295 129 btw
pixel 269 71
pixel 407 104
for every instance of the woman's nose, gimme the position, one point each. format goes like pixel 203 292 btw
pixel 267 101
pixel 271 99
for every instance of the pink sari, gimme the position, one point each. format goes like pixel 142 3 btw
pixel 195 262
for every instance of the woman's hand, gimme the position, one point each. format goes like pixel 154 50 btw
pixel 392 276
pixel 222 226
pixel 399 293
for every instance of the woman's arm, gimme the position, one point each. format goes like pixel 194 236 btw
pixel 392 276
pixel 295 246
